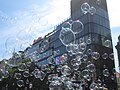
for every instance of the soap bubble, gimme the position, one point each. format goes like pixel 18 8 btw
pixel 70 54
pixel 77 26
pixel 106 72
pixel 111 56
pixel 24 36
pixel 82 47
pixel 66 36
pixel 80 55
pixel 76 66
pixel 69 85
pixel 55 85
pixel 30 85
pixel 26 74
pixel 95 55
pixel 27 81
pixel 85 57
pixel 76 61
pixel 20 83
pixel 107 43
pixel 58 52
pixel 85 73
pixel 22 67
pixel 18 76
pixel 91 67
pixel 50 77
pixel 42 75
pixel 69 47
pixel 99 82
pixel 85 8
pixel 74 49
pixel 105 56
pixel 112 77
pixel 93 86
pixel 5 74
pixel 44 45
pixel 65 70
pixel 36 73
pixel 89 51
pixel 81 40
pixel 11 44
pixel 98 2
pixel 66 26
pixel 73 62
pixel 63 58
pixel 92 10
pixel 89 41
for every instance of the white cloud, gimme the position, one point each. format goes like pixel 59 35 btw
pixel 35 21
pixel 114 12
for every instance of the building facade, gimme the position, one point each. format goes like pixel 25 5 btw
pixel 96 27
pixel 118 49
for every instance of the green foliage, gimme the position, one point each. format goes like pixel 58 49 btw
pixel 12 70
pixel 26 60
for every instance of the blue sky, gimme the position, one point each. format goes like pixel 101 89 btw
pixel 22 21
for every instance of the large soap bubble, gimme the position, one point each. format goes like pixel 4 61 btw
pixel 77 26
pixel 85 7
pixel 66 36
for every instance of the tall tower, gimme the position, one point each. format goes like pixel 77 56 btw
pixel 97 27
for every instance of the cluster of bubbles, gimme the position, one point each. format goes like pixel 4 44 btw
pixel 86 8
pixel 72 78
pixel 75 74
pixel 68 35
pixel 81 69
pixel 59 76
